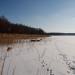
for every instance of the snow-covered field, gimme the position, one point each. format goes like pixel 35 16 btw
pixel 51 56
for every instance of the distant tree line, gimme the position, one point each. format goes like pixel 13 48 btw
pixel 60 34
pixel 8 27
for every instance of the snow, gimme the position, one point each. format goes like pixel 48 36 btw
pixel 51 56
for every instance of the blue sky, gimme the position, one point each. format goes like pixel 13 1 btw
pixel 50 15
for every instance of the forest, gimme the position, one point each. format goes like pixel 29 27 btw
pixel 7 27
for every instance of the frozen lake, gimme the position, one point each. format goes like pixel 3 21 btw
pixel 51 56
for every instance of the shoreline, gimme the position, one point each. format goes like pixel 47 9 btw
pixel 11 38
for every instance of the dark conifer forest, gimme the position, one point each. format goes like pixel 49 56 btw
pixel 7 27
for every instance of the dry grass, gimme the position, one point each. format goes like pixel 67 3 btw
pixel 11 38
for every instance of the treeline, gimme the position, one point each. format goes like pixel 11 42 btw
pixel 8 27
pixel 60 34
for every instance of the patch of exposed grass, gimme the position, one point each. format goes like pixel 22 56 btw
pixel 11 38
